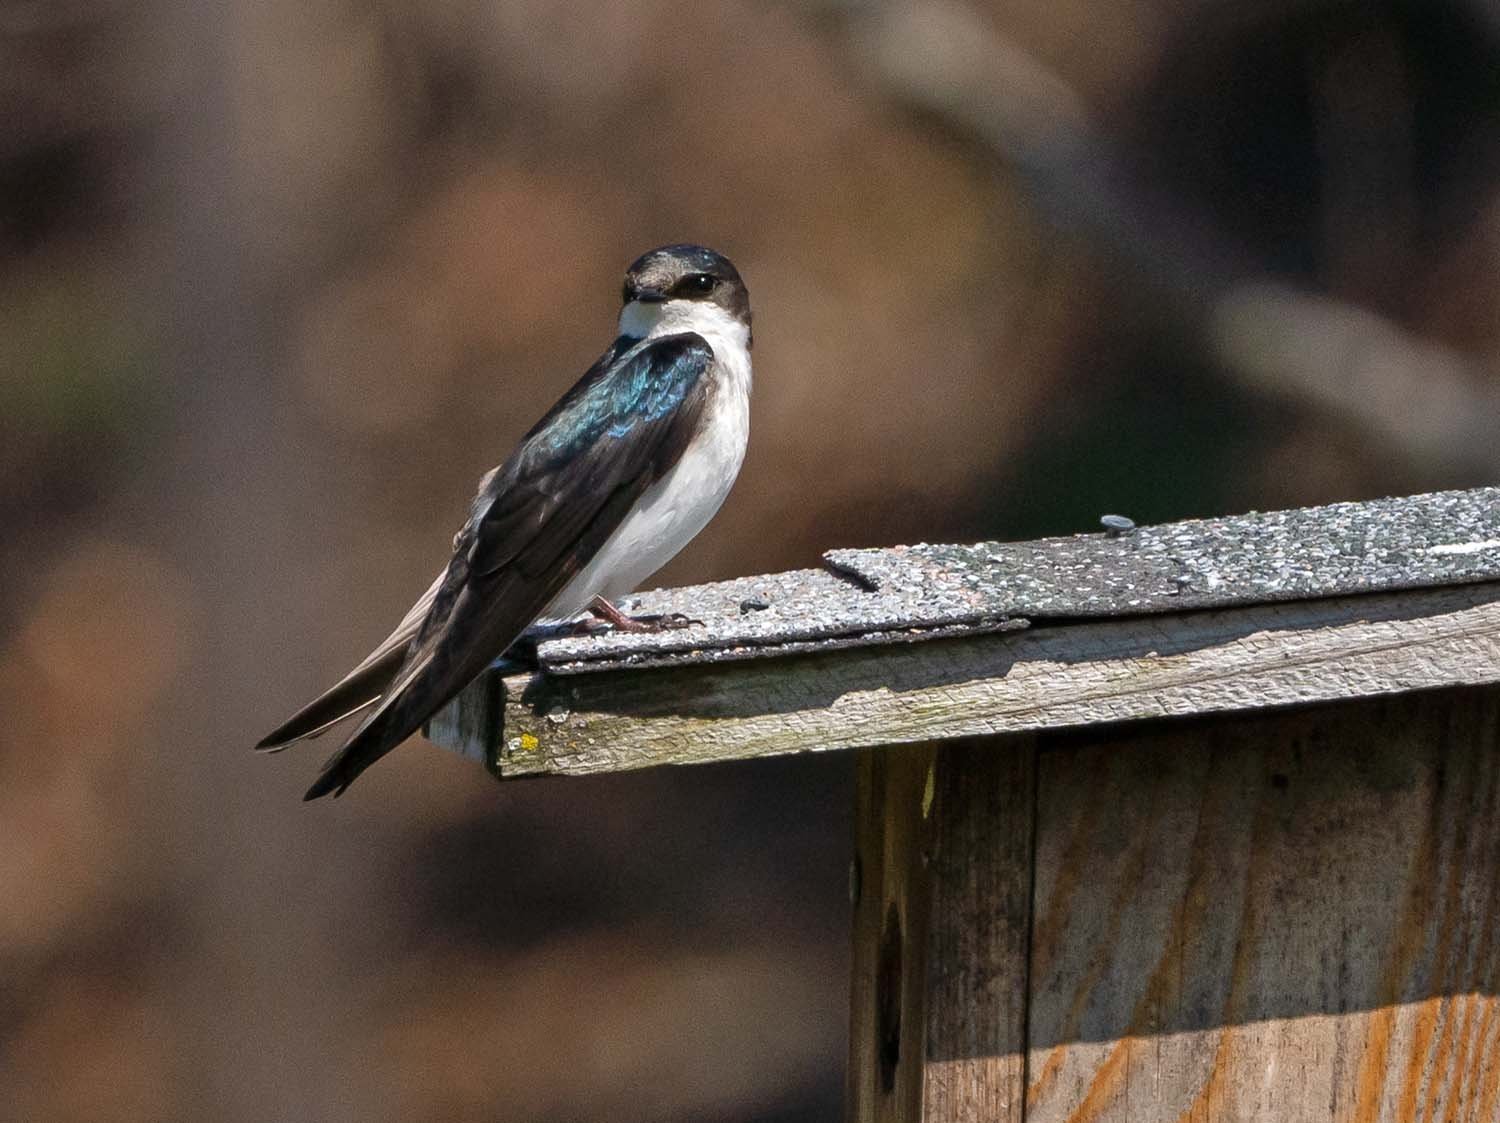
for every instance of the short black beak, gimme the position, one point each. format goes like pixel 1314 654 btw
pixel 650 296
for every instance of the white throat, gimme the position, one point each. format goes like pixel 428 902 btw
pixel 649 320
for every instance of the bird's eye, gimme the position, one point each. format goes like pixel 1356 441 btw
pixel 698 283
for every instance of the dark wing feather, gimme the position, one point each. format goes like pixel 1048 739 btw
pixel 360 688
pixel 539 518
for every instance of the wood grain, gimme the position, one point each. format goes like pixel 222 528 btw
pixel 884 1083
pixel 1287 918
pixel 978 931
pixel 1046 678
pixel 941 923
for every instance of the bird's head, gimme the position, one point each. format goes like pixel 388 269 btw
pixel 683 288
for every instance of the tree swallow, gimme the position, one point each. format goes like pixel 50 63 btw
pixel 620 475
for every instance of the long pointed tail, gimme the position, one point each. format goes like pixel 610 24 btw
pixel 344 767
pixel 360 688
pixel 409 702
pixel 429 678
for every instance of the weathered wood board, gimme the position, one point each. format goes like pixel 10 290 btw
pixel 942 880
pixel 1051 677
pixel 891 892
pixel 1288 919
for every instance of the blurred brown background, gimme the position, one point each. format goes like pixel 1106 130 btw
pixel 279 280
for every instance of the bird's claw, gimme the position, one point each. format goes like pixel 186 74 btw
pixel 671 622
pixel 618 620
pixel 640 625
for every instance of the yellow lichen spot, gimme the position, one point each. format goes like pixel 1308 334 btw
pixel 529 743
pixel 929 790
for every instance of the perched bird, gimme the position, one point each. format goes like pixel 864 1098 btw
pixel 618 477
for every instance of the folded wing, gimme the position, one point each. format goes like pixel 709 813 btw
pixel 535 523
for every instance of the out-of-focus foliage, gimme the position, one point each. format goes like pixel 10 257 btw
pixel 278 281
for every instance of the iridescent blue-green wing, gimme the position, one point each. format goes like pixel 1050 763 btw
pixel 623 429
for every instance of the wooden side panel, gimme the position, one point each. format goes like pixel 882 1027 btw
pixel 890 890
pixel 941 925
pixel 1283 918
pixel 978 931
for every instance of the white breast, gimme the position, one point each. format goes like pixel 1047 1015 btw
pixel 675 508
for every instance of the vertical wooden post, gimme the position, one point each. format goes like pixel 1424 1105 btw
pixel 979 932
pixel 889 888
pixel 942 895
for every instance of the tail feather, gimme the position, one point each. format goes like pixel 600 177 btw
pixel 401 712
pixel 362 687
pixel 344 766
